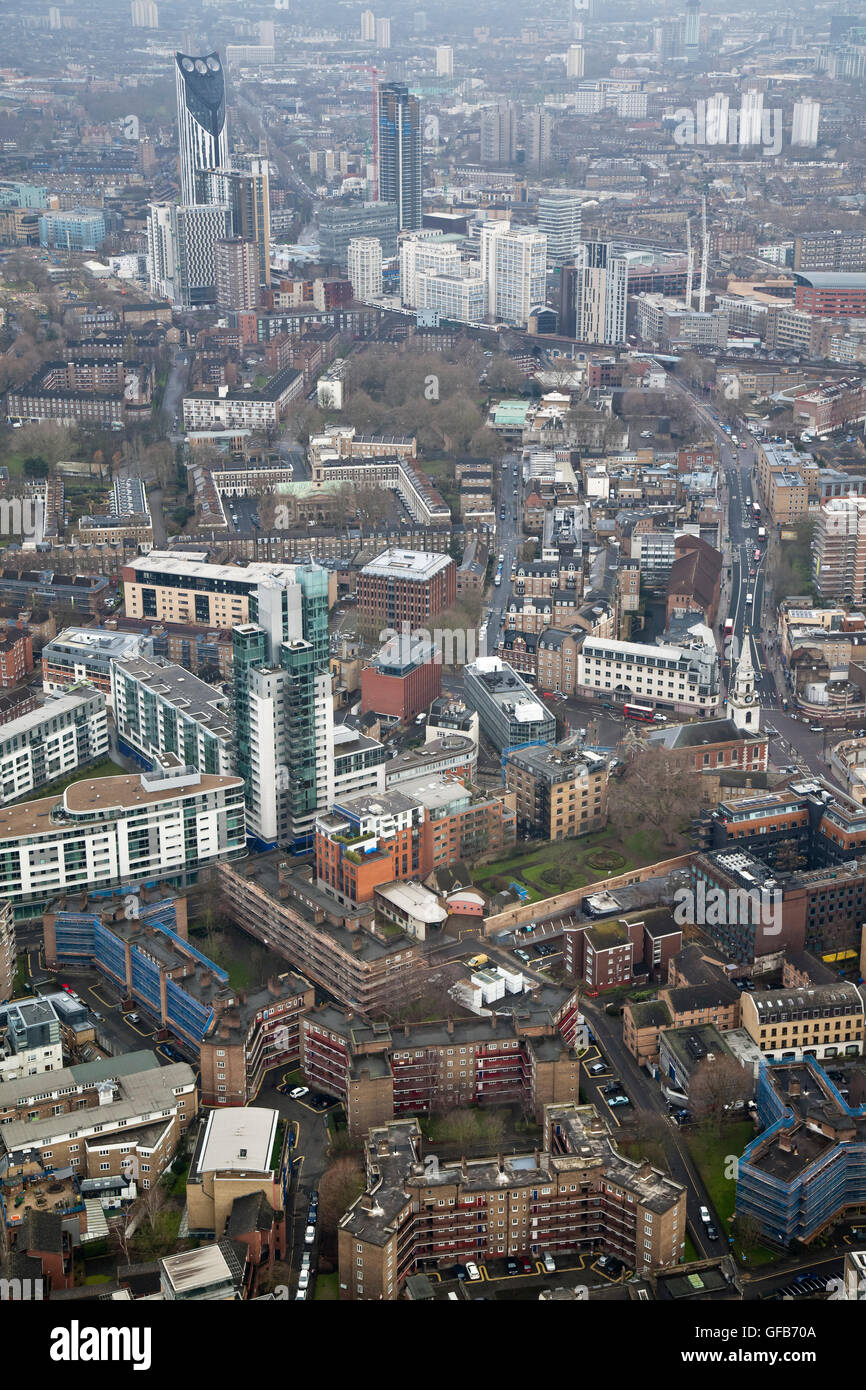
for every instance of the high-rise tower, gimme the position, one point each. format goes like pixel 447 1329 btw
pixel 201 115
pixel 400 149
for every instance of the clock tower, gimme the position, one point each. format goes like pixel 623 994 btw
pixel 743 705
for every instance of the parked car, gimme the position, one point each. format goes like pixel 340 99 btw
pixel 704 1213
pixel 473 1273
pixel 598 1067
pixel 304 1279
pixel 306 1260
pixel 527 1264
pixel 712 1233
pixel 298 1091
pixel 130 1018
pixel 309 1235
pixel 619 1099
pixel 549 1264
pixel 511 1266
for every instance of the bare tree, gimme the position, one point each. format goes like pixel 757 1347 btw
pixel 341 1183
pixel 715 1087
pixel 658 789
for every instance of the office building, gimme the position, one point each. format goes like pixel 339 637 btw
pixel 201 112
pixel 600 294
pixel 574 60
pixel 514 270
pixel 559 218
pixel 283 707
pixel 403 680
pixel 365 267
pixel 340 225
pixel 118 830
pixel 544 1202
pixel 830 294
pixel 682 679
pixel 508 711
pixel 499 134
pixel 165 715
pixel 806 118
pixel 400 153
pixel 247 193
pixel 561 792
pixel 51 741
pixel 444 60
pixel 236 265
pixel 407 586
pixel 81 230
pixel 818 1020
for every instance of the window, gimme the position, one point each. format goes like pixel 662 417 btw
pixel 103 1167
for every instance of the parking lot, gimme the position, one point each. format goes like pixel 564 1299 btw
pixel 525 1276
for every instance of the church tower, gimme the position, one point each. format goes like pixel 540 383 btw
pixel 743 705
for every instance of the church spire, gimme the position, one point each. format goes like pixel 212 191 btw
pixel 743 706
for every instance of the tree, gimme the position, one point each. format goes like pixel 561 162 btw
pixel 340 1185
pixel 715 1087
pixel 658 789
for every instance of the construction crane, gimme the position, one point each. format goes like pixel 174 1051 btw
pixel 705 256
pixel 690 264
pixel 363 67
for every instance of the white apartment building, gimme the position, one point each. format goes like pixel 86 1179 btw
pixel 574 60
pixel 453 296
pixel 682 679
pixel 444 60
pixel 428 253
pixel 559 218
pixel 163 712
pixel 365 267
pixel 52 741
pixel 513 267
pixel 116 831
pixel 234 407
pixel 807 116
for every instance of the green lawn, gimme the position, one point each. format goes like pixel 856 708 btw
pixel 550 867
pixel 712 1154
pixel 105 768
pixel 327 1288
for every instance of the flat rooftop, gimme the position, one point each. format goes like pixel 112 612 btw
pixel 88 800
pixel 419 565
pixel 238 1140
pixel 196 699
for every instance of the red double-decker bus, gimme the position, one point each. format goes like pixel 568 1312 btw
pixel 638 711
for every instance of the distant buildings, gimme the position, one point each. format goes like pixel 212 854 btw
pixel 574 60
pixel 181 244
pixel 444 60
